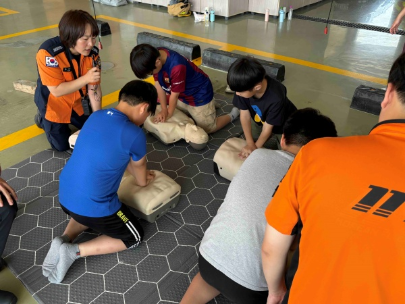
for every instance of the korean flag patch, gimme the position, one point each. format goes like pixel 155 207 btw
pixel 51 62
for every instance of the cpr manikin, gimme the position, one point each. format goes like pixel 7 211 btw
pixel 177 127
pixel 72 139
pixel 149 202
pixel 226 160
pixel 152 201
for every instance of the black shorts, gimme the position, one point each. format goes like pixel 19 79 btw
pixel 229 288
pixel 121 225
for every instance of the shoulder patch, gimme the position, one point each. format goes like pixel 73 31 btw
pixel 57 49
pixel 53 46
pixel 51 62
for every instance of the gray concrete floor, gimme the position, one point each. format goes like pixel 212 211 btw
pixel 373 12
pixel 361 51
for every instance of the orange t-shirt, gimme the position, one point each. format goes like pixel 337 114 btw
pixel 350 196
pixel 54 70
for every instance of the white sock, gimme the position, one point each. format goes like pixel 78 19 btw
pixel 234 113
pixel 68 253
pixel 52 258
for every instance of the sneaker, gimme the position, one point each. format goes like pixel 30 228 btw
pixel 2 264
pixel 7 297
pixel 228 90
pixel 37 120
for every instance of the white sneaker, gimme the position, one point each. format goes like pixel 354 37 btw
pixel 228 90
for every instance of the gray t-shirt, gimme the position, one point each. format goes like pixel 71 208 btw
pixel 232 243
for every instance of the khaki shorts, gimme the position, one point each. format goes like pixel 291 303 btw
pixel 204 116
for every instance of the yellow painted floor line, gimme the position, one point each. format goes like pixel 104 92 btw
pixel 33 131
pixel 231 47
pixel 20 136
pixel 161 30
pixel 312 65
pixel 228 47
pixel 29 31
pixel 7 12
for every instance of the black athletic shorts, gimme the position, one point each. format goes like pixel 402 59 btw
pixel 121 225
pixel 229 288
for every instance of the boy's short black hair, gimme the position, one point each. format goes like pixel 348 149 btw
pixel 72 26
pixel 143 58
pixel 244 74
pixel 307 124
pixel 397 77
pixel 136 92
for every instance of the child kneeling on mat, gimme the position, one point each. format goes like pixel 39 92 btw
pixel 188 87
pixel 110 142
pixel 262 101
pixel 230 251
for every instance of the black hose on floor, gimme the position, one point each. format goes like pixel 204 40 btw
pixel 349 24
pixel 327 21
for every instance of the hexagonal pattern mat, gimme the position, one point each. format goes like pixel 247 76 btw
pixel 160 269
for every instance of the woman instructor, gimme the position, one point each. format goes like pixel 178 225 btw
pixel 68 86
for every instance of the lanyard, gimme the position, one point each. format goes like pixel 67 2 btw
pixel 68 56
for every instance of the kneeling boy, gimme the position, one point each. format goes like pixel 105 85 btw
pixel 188 87
pixel 110 142
pixel 230 259
pixel 262 100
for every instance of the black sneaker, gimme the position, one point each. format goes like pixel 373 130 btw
pixel 7 297
pixel 2 264
pixel 37 120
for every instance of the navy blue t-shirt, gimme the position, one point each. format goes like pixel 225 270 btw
pixel 180 75
pixel 273 107
pixel 90 180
